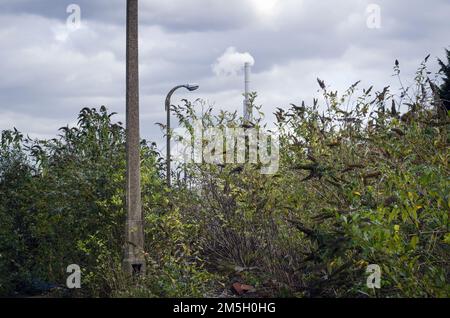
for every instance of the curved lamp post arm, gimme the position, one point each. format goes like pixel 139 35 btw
pixel 169 96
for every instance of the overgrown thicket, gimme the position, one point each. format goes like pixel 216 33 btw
pixel 359 183
pixel 363 179
pixel 444 89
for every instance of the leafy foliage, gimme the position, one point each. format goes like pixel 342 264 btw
pixel 63 202
pixel 444 90
pixel 360 182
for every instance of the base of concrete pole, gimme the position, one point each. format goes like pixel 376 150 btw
pixel 134 260
pixel 134 267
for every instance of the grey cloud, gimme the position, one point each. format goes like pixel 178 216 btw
pixel 175 15
pixel 49 74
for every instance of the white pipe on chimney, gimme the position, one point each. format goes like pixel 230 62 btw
pixel 247 110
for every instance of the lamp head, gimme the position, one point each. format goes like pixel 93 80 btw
pixel 192 87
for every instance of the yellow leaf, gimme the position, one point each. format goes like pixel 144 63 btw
pixel 362 263
pixel 447 238
pixel 396 228
pixel 357 193
pixel 414 241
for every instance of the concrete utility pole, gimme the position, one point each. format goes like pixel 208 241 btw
pixel 134 261
pixel 247 107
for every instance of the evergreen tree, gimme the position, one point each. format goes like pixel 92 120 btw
pixel 444 90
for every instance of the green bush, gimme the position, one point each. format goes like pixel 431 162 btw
pixel 359 183
pixel 62 202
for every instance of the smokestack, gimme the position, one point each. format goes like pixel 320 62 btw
pixel 247 108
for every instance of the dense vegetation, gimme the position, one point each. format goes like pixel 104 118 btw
pixel 444 90
pixel 359 183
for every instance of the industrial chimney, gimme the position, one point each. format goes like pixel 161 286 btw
pixel 247 106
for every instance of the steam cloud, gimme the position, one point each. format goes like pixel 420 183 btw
pixel 231 62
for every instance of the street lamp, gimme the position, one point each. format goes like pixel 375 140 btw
pixel 189 87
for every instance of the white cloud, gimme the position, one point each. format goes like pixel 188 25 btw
pixel 266 8
pixel 231 62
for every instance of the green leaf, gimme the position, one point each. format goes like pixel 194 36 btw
pixel 414 241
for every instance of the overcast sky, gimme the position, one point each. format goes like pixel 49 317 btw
pixel 50 71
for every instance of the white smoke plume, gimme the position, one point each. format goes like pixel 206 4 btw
pixel 231 62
